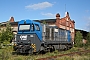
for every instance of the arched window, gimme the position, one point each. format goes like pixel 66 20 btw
pixel 70 24
pixel 67 19
pixel 67 23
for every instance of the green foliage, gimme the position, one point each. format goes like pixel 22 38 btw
pixel 78 39
pixel 88 38
pixel 44 22
pixel 6 35
pixel 6 53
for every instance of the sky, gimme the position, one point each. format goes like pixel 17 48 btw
pixel 79 10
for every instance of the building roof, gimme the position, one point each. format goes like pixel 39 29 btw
pixel 41 21
pixel 12 23
pixel 46 20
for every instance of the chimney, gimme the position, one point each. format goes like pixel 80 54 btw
pixel 57 16
pixel 66 14
pixel 11 19
pixel 57 19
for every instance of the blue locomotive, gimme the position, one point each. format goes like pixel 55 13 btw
pixel 36 37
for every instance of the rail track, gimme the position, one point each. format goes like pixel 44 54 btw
pixel 68 54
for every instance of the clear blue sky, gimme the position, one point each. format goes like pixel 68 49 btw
pixel 79 10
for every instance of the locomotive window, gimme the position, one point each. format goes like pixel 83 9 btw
pixel 37 27
pixel 24 27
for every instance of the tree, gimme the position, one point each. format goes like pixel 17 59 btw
pixel 78 39
pixel 88 38
pixel 6 34
pixel 44 22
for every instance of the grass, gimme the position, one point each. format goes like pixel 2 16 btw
pixel 75 57
pixel 6 54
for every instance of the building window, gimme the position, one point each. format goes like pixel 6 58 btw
pixel 70 24
pixel 67 19
pixel 67 23
pixel 71 29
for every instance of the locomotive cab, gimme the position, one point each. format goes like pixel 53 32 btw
pixel 29 37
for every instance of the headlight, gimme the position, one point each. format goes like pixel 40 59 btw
pixel 15 44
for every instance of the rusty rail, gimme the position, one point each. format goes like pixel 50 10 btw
pixel 68 54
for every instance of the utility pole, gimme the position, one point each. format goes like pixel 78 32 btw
pixel 65 18
pixel 65 7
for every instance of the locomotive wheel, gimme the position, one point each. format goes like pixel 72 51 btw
pixel 51 49
pixel 42 50
pixel 66 48
pixel 30 51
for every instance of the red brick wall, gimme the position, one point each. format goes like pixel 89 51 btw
pixel 66 23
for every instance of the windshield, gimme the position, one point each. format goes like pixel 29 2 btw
pixel 24 27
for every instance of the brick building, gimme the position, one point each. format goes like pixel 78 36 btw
pixel 66 23
pixel 14 25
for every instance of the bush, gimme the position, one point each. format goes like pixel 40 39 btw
pixel 88 38
pixel 78 39
pixel 6 35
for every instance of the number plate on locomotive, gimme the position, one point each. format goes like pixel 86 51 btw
pixel 23 37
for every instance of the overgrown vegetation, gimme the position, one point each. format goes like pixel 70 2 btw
pixel 88 38
pixel 6 35
pixel 6 54
pixel 78 39
pixel 85 56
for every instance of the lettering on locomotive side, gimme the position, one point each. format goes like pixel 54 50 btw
pixel 23 37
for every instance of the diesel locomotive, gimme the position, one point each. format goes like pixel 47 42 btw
pixel 33 37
